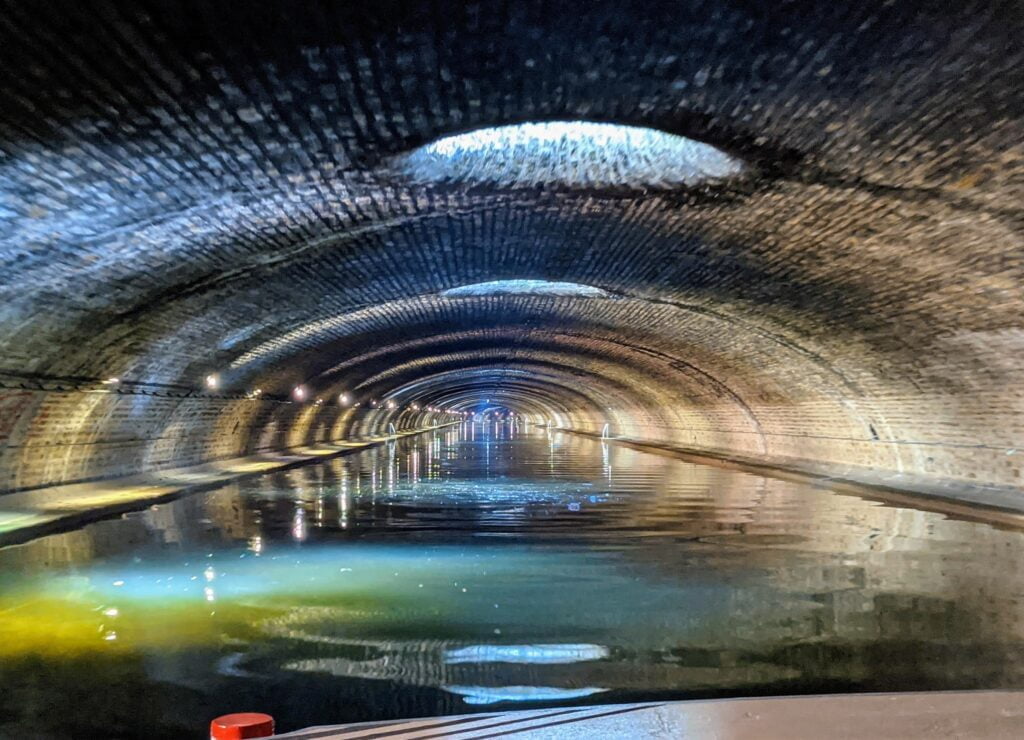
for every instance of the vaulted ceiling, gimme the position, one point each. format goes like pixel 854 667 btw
pixel 807 245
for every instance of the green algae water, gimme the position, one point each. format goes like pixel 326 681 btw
pixel 488 567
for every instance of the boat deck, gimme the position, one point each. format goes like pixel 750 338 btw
pixel 899 716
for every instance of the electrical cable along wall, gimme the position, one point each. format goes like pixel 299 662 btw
pixel 787 234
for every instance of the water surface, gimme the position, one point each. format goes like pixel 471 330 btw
pixel 485 568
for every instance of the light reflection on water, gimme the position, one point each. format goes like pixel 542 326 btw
pixel 469 570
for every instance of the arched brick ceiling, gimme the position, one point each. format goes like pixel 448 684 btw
pixel 194 188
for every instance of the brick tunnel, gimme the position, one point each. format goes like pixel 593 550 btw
pixel 783 235
pixel 270 269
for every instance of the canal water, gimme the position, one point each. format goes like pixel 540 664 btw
pixel 492 567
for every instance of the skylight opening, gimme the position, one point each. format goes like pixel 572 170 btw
pixel 526 287
pixel 579 153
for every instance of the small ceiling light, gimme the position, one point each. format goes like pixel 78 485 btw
pixel 344 400
pixel 299 393
pixel 392 404
pixel 111 381
pixel 415 407
pixel 319 402
pixel 373 404
pixel 212 381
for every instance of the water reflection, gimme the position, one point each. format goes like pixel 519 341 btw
pixel 489 565
pixel 538 654
pixel 489 695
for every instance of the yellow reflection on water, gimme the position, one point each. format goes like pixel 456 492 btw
pixel 64 627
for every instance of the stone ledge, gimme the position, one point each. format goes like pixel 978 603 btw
pixel 990 504
pixel 26 515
